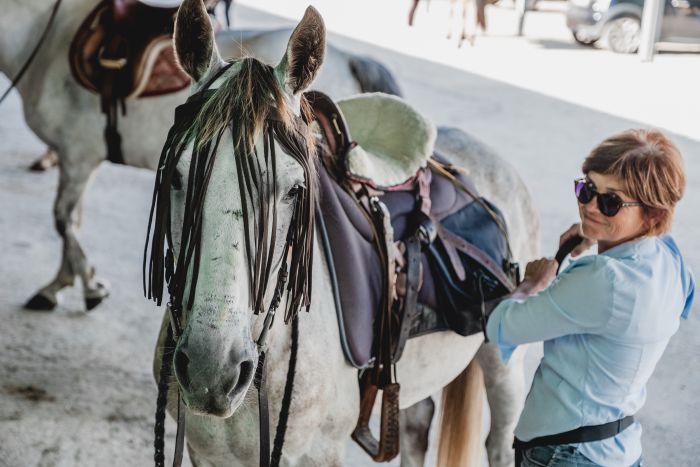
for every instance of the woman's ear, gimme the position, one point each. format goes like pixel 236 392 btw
pixel 195 48
pixel 652 217
pixel 305 51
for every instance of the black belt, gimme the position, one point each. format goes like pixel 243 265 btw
pixel 584 434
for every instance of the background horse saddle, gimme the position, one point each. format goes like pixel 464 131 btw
pixel 124 49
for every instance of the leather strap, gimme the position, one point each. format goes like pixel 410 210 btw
pixel 331 121
pixel 180 436
pixel 475 253
pixel 410 301
pixel 584 434
pixel 447 171
pixel 380 376
pixel 263 410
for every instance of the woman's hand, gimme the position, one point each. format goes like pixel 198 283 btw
pixel 574 230
pixel 540 273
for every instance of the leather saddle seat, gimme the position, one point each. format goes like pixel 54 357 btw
pixel 390 144
pixel 123 49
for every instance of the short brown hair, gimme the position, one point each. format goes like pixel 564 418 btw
pixel 650 168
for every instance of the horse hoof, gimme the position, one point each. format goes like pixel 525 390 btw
pixel 45 162
pixel 40 302
pixel 91 303
pixel 96 296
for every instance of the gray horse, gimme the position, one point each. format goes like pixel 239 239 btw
pixel 216 351
pixel 68 119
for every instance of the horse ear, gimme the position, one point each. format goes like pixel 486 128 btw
pixel 194 39
pixel 305 52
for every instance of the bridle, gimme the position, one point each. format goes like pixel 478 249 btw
pixel 32 55
pixel 293 276
pixel 175 330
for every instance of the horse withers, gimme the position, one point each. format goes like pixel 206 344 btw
pixel 233 205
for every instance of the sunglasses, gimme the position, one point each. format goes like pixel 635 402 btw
pixel 609 204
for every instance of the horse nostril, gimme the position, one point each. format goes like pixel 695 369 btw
pixel 246 371
pixel 181 362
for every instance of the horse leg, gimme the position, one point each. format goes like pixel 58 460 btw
pixel 412 12
pixel 73 180
pixel 464 35
pixel 414 423
pixel 46 161
pixel 450 20
pixel 505 394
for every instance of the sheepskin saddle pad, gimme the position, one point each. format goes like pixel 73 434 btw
pixel 393 140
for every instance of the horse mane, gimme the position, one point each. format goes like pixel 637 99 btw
pixel 249 102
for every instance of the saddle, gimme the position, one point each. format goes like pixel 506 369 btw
pixel 411 247
pixel 123 49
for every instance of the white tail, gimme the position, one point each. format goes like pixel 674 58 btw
pixel 460 426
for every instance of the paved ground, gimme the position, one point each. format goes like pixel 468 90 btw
pixel 75 388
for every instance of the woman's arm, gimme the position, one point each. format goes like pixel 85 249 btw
pixel 578 301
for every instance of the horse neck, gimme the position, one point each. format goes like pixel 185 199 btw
pixel 319 324
pixel 20 30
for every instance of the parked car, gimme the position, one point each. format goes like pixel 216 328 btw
pixel 618 22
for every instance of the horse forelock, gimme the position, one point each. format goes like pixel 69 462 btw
pixel 251 103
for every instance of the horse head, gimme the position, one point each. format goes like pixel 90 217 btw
pixel 233 208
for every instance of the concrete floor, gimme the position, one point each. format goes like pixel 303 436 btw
pixel 75 388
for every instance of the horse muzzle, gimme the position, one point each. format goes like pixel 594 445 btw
pixel 213 386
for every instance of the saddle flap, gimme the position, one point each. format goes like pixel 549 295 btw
pixel 393 140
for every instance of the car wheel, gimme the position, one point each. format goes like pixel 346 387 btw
pixel 583 39
pixel 622 34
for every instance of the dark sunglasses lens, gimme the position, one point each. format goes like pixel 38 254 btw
pixel 609 204
pixel 583 191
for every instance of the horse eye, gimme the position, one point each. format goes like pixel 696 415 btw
pixel 291 194
pixel 176 181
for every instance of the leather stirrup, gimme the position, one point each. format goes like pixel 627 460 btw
pixel 387 447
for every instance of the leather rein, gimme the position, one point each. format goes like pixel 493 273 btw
pixel 32 55
pixel 175 331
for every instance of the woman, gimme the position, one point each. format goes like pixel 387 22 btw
pixel 607 318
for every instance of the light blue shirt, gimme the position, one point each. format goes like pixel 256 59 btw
pixel 605 322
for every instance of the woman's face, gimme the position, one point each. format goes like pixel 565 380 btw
pixel 630 221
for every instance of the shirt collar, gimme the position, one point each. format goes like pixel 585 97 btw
pixel 631 248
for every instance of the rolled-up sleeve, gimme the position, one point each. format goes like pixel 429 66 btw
pixel 579 300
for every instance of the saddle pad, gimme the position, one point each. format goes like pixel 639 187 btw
pixel 355 266
pixel 393 139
